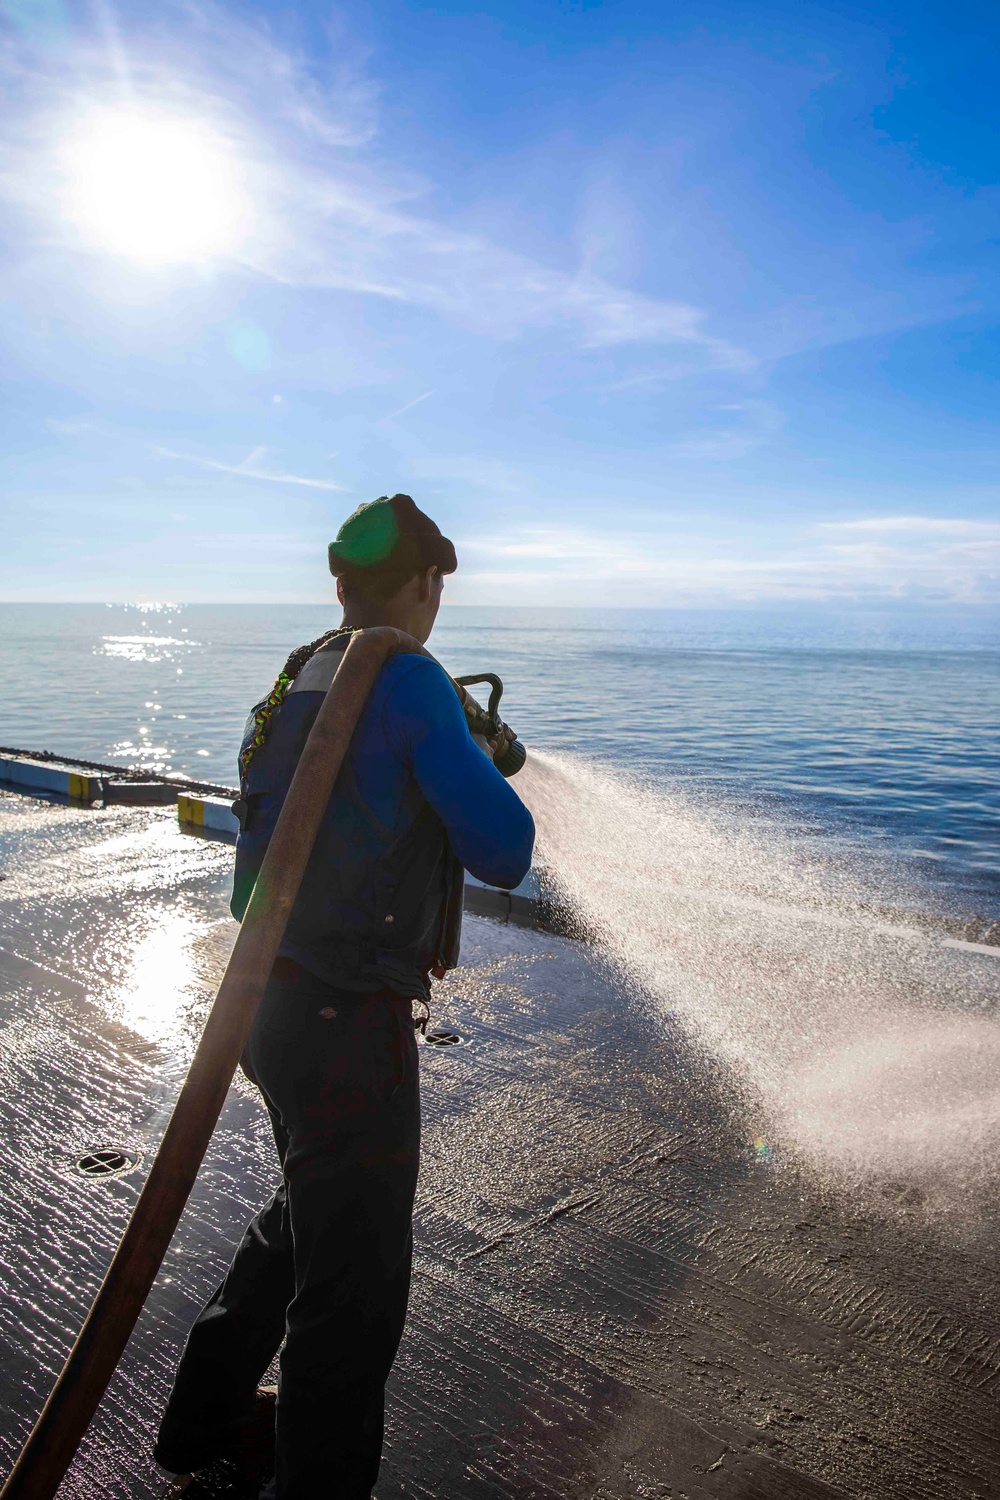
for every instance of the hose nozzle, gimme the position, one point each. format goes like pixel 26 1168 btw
pixel 487 721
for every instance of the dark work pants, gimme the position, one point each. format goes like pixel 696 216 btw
pixel 326 1264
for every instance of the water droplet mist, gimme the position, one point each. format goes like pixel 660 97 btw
pixel 857 1041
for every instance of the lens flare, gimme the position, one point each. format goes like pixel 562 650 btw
pixel 154 187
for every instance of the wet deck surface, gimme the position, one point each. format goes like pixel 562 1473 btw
pixel 614 1296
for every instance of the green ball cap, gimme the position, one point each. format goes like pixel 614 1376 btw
pixel 390 530
pixel 368 536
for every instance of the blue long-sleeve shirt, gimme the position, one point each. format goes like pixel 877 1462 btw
pixel 418 732
pixel 415 788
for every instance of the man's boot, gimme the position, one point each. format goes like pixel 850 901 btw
pixel 249 1449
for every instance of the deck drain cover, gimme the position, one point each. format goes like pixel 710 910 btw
pixel 442 1038
pixel 110 1161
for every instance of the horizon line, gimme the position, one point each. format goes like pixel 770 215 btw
pixel 778 604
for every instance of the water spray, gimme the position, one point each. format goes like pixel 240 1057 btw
pixel 855 1041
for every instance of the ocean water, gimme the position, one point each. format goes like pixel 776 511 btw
pixel 865 739
pixel 742 811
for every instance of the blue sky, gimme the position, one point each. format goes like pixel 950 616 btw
pixel 647 304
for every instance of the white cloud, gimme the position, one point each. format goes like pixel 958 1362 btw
pixel 361 243
pixel 915 526
pixel 330 213
pixel 71 427
pixel 407 406
pixel 622 563
pixel 250 469
pixel 483 474
pixel 735 431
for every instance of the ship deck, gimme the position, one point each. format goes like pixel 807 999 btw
pixel 614 1295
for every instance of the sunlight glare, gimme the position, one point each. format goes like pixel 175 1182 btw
pixel 155 187
pixel 161 980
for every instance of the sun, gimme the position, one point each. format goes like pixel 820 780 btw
pixel 154 187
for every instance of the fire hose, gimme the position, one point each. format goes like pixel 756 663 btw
pixel 67 1413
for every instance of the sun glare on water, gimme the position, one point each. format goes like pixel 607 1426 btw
pixel 154 187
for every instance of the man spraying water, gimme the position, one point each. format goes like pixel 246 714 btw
pixel 325 1266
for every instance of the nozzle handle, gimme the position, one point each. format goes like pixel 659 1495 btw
pixel 496 691
pixel 487 721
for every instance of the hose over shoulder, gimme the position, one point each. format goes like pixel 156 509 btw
pixel 56 1436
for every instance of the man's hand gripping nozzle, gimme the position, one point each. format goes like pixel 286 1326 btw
pixel 508 753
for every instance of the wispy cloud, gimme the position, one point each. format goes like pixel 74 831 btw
pixel 367 244
pixel 627 562
pixel 731 432
pixel 68 427
pixel 912 526
pixel 480 472
pixel 330 212
pixel 250 469
pixel 409 405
